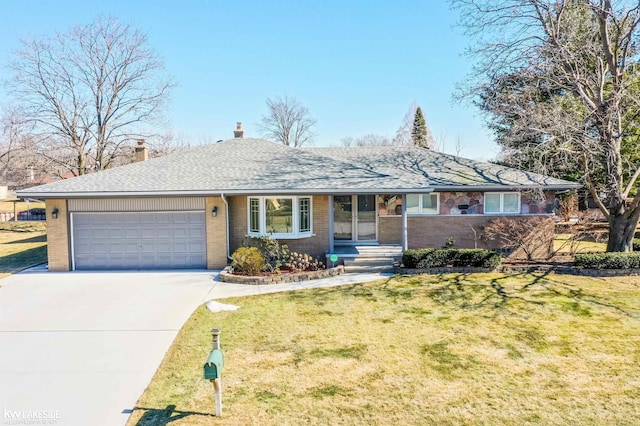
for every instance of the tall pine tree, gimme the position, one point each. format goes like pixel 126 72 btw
pixel 419 133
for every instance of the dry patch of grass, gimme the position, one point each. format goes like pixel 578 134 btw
pixel 447 350
pixel 22 245
pixel 561 242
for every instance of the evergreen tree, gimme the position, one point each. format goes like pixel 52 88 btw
pixel 419 133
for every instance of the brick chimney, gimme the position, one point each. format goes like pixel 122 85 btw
pixel 142 152
pixel 238 132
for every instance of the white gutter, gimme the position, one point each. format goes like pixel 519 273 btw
pixel 309 191
pixel 226 218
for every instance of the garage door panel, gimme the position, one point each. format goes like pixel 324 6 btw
pixel 180 247
pixel 180 233
pixel 145 240
pixel 131 248
pixel 164 232
pixel 116 248
pixel 165 247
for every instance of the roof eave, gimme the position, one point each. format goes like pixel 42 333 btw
pixel 553 187
pixel 321 191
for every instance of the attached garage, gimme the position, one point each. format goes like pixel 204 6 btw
pixel 138 239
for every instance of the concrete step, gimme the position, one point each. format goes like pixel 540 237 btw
pixel 363 269
pixel 369 261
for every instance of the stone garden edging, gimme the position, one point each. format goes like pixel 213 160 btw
pixel 228 277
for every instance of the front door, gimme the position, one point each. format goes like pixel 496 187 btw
pixel 354 218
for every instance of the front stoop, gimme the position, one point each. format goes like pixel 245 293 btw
pixel 370 258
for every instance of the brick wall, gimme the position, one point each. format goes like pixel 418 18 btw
pixel 237 221
pixel 58 250
pixel 315 246
pixel 434 231
pixel 216 230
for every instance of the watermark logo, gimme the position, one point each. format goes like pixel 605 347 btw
pixel 30 417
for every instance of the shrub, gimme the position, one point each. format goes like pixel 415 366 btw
pixel 303 262
pixel 636 244
pixel 533 235
pixel 608 260
pixel 437 258
pixel 274 253
pixel 248 261
pixel 450 243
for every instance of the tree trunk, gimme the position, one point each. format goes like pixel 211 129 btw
pixel 621 232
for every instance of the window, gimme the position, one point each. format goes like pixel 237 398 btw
pixel 389 205
pixel 280 217
pixel 254 215
pixel 305 214
pixel 502 202
pixel 423 203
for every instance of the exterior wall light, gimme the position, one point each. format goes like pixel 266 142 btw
pixel 54 213
pixel 214 212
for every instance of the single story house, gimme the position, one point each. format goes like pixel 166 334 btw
pixel 192 209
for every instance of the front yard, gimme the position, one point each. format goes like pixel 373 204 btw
pixel 447 350
pixel 22 245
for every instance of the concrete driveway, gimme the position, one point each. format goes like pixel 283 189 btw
pixel 81 347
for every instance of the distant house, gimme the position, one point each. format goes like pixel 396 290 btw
pixel 193 208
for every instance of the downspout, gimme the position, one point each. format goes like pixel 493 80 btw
pixel 226 218
pixel 331 239
pixel 405 242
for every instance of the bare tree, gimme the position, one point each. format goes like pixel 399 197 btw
pixel 20 166
pixel 287 121
pixel 403 134
pixel 88 93
pixel 567 76
pixel 458 146
pixel 369 139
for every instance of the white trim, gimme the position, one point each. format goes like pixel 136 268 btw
pixel 502 194
pixel 73 252
pixel 295 217
pixel 420 212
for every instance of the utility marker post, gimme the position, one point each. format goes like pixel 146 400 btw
pixel 217 383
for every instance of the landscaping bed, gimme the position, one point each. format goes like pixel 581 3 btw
pixel 280 277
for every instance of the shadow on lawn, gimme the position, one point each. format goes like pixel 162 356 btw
pixel 489 295
pixel 38 239
pixel 23 259
pixel 164 416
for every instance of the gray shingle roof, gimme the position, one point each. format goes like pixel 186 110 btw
pixel 418 166
pixel 259 166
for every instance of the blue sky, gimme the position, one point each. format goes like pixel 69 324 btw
pixel 357 66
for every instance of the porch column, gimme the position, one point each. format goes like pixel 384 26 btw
pixel 330 223
pixel 405 243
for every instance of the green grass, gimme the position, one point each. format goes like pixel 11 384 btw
pixel 447 350
pixel 22 245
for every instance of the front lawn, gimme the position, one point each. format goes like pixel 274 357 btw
pixel 446 350
pixel 22 245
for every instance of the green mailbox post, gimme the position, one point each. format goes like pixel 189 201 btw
pixel 213 369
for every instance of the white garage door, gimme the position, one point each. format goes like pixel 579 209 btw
pixel 145 240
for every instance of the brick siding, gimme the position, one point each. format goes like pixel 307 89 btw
pixel 58 251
